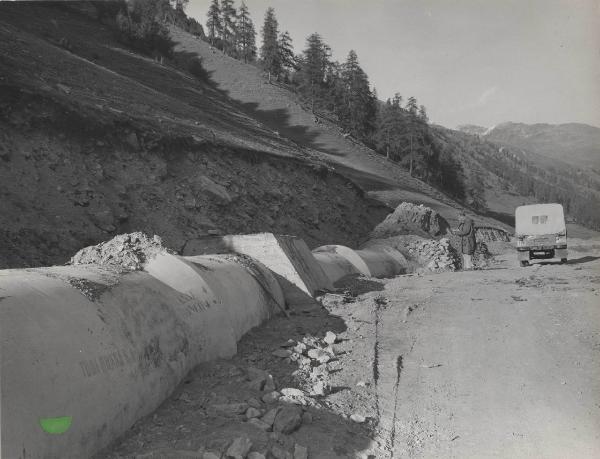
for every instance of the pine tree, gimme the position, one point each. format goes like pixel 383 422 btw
pixel 213 23
pixel 411 106
pixel 358 111
pixel 286 51
pixel 423 114
pixel 246 35
pixel 228 17
pixel 390 133
pixel 269 50
pixel 314 65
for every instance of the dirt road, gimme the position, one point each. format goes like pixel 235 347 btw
pixel 496 363
pixel 502 363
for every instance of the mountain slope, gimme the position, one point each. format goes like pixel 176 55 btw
pixel 579 144
pixel 513 176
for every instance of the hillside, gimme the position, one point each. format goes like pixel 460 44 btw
pixel 278 107
pixel 578 143
pixel 98 140
pixel 105 140
pixel 513 176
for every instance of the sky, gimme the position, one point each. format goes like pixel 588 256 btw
pixel 478 62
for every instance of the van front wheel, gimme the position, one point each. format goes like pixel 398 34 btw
pixel 524 263
pixel 563 260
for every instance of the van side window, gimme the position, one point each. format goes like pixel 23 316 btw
pixel 535 219
pixel 543 219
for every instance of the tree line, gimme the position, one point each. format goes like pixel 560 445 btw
pixel 339 91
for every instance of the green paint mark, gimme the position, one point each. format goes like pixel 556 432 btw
pixel 56 425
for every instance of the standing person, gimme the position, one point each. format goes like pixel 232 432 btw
pixel 466 231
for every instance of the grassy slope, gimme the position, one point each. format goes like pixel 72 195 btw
pixel 106 80
pixel 282 111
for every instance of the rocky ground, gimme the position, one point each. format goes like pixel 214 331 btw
pixel 499 362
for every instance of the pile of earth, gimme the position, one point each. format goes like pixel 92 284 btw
pixel 123 253
pixel 410 218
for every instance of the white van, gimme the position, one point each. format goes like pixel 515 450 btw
pixel 541 232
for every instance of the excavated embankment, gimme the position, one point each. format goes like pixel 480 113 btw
pixel 71 177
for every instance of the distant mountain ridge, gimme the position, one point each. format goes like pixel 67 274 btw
pixel 575 143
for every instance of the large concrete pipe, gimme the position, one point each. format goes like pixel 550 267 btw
pixel 86 352
pixel 335 266
pixel 339 261
pixel 297 271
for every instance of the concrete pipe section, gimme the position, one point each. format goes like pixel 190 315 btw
pixel 338 261
pixel 87 352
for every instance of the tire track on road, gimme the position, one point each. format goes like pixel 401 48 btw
pixel 388 364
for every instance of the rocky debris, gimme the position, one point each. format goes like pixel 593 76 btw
pixel 330 338
pixel 167 453
pixel 270 385
pixel 253 413
pixel 210 455
pixel 319 355
pixel 293 395
pixel 300 452
pixel 307 418
pixel 491 234
pixel 131 139
pixel 277 452
pixel 215 191
pixel 231 408
pixel 288 419
pixel 282 353
pixel 239 448
pixel 103 219
pixel 482 256
pixel 259 424
pixel 255 455
pixel 271 397
pixel 358 418
pixel 125 252
pixel 434 255
pixel 410 218
pixel 254 403
pixel 428 255
pixel 269 417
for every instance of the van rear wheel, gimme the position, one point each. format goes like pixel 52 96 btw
pixel 524 263
pixel 563 260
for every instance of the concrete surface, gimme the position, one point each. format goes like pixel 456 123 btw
pixel 106 349
pixel 376 261
pixel 288 257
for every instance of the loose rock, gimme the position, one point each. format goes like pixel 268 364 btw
pixel 271 397
pixel 287 420
pixel 358 418
pixel 300 452
pixel 330 338
pixel 239 448
pixel 252 413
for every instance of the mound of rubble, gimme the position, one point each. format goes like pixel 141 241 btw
pixel 410 218
pixel 423 255
pixel 123 253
